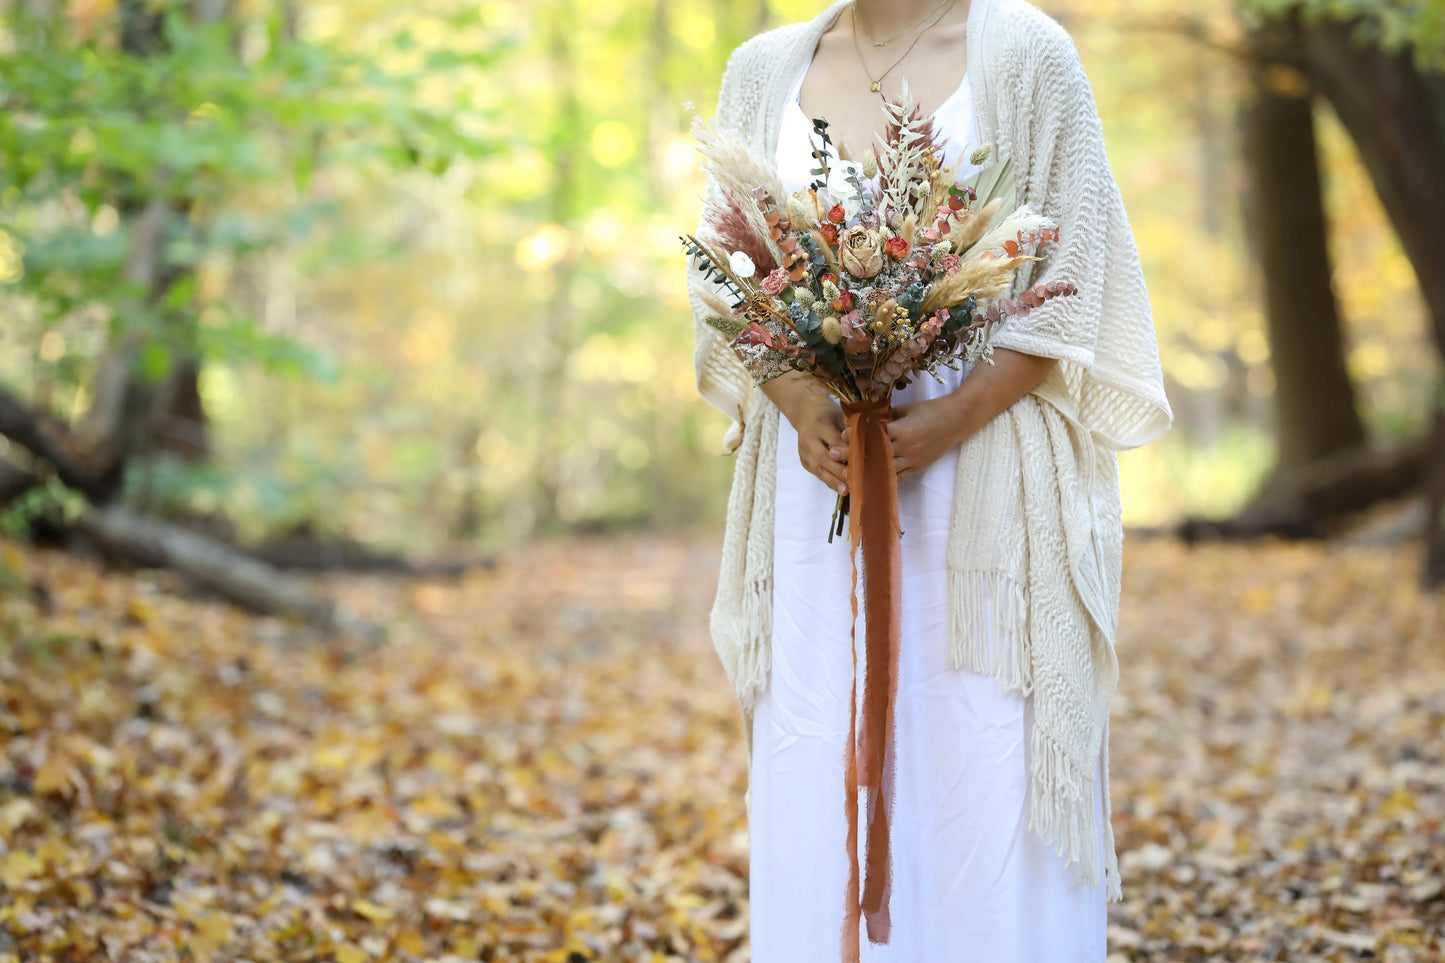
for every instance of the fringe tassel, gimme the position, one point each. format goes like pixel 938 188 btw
pixel 1061 808
pixel 984 608
pixel 1111 869
pixel 753 661
pixel 755 656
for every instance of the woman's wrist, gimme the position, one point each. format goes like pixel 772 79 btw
pixel 795 396
pixel 962 413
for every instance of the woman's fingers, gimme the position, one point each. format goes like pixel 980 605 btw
pixel 815 458
pixel 831 474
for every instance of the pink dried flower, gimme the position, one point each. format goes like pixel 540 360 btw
pixel 776 281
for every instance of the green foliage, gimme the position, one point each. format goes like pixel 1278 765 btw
pixel 1418 25
pixel 207 116
pixel 53 500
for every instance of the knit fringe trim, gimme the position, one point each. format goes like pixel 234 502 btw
pixel 1061 811
pixel 988 606
pixel 1111 856
pixel 754 660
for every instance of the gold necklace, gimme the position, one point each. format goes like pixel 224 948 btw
pixel 876 83
pixel 880 43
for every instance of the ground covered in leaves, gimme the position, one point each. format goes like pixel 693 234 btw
pixel 545 763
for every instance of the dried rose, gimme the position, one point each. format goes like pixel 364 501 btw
pixel 829 232
pixel 836 214
pixel 861 251
pixel 896 248
pixel 776 281
pixel 843 303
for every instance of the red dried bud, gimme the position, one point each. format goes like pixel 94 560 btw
pixel 844 302
pixel 827 276
pixel 829 232
pixel 896 247
pixel 837 215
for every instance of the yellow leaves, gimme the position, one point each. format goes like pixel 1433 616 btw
pixel 336 757
pixel 466 948
pixel 370 910
pixel 141 610
pixel 410 941
pixel 346 953
pixel 517 777
pixel 1257 599
pixel 211 933
pixel 18 867
pixel 434 806
pixel 55 774
pixel 1399 803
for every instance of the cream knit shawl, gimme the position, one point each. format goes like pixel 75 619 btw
pixel 1036 538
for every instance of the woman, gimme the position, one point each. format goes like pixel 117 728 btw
pixel 1008 489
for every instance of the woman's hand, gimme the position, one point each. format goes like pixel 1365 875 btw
pixel 921 431
pixel 819 423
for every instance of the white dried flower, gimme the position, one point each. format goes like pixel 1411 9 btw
pixel 742 265
pixel 841 190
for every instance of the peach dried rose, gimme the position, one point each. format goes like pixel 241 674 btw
pixel 860 251
pixel 776 281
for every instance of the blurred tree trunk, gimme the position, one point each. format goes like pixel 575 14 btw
pixel 131 413
pixel 557 333
pixel 1314 397
pixel 1395 113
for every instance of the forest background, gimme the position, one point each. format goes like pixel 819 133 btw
pixel 411 273
pixel 288 286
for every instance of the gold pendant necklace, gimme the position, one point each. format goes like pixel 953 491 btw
pixel 876 83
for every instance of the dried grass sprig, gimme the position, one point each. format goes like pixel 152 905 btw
pixel 740 170
pixel 1022 221
pixel 971 228
pixel 984 278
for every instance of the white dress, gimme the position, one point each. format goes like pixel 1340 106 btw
pixel 971 882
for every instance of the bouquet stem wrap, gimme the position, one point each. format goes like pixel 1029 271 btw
pixel 870 753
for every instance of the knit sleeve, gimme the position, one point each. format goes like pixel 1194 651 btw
pixel 1109 377
pixel 720 375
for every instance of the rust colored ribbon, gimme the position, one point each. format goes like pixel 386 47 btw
pixel 869 753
